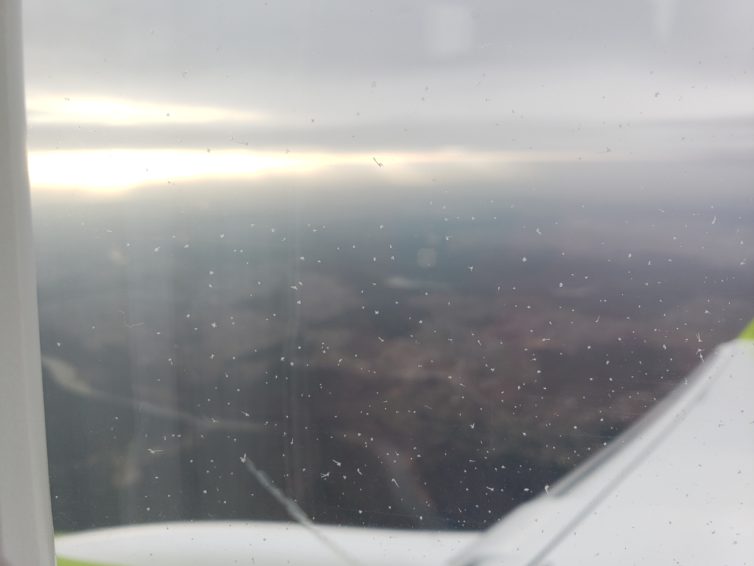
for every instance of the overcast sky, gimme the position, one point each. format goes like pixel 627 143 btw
pixel 575 77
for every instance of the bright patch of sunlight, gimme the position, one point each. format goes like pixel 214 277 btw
pixel 114 170
pixel 111 111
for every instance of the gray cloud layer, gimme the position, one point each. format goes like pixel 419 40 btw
pixel 669 78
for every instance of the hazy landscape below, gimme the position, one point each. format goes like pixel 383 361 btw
pixel 413 356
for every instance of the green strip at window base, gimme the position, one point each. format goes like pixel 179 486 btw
pixel 748 332
pixel 70 562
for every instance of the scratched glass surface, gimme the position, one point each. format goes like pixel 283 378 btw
pixel 375 264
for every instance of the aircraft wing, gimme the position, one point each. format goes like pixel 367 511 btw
pixel 231 543
pixel 676 488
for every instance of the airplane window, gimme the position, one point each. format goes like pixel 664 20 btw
pixel 375 265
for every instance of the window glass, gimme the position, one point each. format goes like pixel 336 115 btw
pixel 413 262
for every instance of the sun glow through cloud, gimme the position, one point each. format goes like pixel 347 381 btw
pixel 108 170
pixel 123 112
pixel 116 170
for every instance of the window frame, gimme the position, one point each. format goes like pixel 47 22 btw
pixel 26 532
